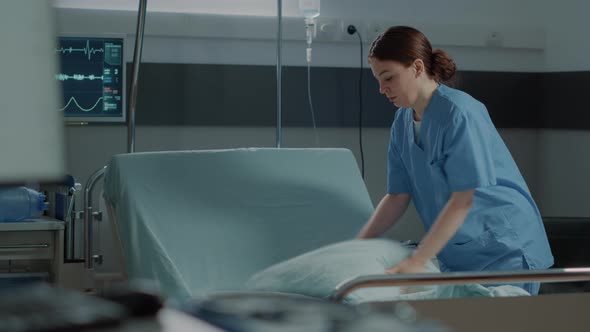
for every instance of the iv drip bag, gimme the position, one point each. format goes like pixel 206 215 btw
pixel 309 8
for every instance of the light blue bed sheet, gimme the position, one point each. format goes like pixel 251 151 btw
pixel 198 222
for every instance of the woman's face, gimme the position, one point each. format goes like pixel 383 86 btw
pixel 396 81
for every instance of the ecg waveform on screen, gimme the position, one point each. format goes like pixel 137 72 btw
pixel 89 51
pixel 73 100
pixel 78 77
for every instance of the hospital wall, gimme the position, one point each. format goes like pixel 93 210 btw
pixel 553 161
pixel 563 156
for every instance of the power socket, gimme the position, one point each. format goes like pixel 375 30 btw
pixel 360 27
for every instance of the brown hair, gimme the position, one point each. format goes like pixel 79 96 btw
pixel 405 44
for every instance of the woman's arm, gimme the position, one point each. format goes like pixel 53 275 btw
pixel 448 222
pixel 387 213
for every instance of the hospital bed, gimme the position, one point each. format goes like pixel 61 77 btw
pixel 202 221
pixel 202 224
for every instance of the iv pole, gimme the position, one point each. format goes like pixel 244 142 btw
pixel 135 76
pixel 279 69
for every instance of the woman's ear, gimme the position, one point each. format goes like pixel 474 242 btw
pixel 418 67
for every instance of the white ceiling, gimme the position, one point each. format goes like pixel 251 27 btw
pixel 226 7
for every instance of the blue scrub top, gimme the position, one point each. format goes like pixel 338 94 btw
pixel 460 149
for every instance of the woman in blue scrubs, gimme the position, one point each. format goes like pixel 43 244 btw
pixel 447 157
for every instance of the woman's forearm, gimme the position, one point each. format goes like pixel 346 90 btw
pixel 387 213
pixel 444 228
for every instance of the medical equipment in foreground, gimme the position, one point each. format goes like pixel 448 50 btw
pixel 31 136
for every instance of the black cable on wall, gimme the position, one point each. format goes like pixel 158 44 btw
pixel 352 30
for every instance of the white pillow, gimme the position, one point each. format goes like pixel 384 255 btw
pixel 317 273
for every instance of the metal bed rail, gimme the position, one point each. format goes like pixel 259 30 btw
pixel 89 217
pixel 389 280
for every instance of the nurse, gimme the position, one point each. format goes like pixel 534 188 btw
pixel 447 157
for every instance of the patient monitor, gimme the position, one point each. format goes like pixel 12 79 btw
pixel 92 75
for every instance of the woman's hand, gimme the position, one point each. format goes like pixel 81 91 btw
pixel 408 266
pixel 444 228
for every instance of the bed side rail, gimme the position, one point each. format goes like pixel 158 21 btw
pixel 388 280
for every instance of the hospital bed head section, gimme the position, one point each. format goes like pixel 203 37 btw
pixel 198 222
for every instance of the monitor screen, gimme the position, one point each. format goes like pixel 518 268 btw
pixel 92 75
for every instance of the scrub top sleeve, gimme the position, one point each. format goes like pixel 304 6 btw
pixel 468 162
pixel 397 175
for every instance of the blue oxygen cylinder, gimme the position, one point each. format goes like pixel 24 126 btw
pixel 19 203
